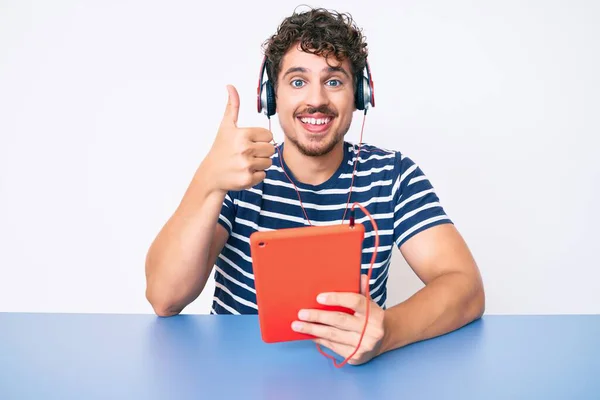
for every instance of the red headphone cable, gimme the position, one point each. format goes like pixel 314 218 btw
pixel 352 222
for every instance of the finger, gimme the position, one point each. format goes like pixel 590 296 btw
pixel 338 348
pixel 263 149
pixel 233 107
pixel 260 164
pixel 259 135
pixel 364 284
pixel 340 320
pixel 354 301
pixel 327 332
pixel 258 177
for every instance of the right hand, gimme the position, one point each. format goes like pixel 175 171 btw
pixel 239 157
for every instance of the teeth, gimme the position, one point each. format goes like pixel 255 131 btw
pixel 315 121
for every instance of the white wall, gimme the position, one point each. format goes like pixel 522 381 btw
pixel 106 110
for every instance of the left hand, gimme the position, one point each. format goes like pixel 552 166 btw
pixel 339 331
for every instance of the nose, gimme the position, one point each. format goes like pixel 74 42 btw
pixel 316 95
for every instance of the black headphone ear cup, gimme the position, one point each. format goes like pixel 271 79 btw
pixel 358 95
pixel 363 96
pixel 267 99
pixel 270 106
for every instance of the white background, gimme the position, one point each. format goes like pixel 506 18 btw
pixel 106 110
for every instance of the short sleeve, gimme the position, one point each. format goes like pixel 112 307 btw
pixel 227 214
pixel 417 206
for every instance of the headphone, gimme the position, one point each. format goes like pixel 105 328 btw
pixel 265 93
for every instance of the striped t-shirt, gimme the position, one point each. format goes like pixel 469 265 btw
pixel 387 183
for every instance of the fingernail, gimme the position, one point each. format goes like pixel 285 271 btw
pixel 303 314
pixel 322 298
pixel 296 325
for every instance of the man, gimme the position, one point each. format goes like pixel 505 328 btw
pixel 245 184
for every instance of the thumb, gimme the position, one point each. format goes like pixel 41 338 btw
pixel 364 284
pixel 233 106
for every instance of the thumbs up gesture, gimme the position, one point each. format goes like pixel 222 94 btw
pixel 238 157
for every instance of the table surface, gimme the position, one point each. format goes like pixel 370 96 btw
pixel 101 356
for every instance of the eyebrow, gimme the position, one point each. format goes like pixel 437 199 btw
pixel 326 69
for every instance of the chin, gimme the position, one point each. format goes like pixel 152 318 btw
pixel 315 137
pixel 315 145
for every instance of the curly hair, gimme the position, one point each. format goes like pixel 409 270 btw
pixel 321 32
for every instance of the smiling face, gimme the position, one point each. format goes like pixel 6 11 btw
pixel 315 101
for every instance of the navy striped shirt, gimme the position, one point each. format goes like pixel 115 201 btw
pixel 387 183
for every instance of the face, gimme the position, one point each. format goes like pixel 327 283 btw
pixel 315 101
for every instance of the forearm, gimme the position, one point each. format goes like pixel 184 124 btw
pixel 445 304
pixel 177 264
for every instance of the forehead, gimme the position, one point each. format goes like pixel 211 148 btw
pixel 296 58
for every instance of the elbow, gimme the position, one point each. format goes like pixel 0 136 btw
pixel 162 304
pixel 477 306
pixel 480 304
pixel 162 307
pixel 471 300
pixel 165 312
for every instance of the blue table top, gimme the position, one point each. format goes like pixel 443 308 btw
pixel 99 356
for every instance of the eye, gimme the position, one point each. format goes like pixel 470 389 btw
pixel 297 83
pixel 334 82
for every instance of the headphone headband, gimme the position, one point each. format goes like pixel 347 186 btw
pixel 259 89
pixel 265 93
pixel 371 84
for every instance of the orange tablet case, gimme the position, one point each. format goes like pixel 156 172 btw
pixel 293 265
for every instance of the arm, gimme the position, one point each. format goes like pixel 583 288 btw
pixel 452 297
pixel 453 294
pixel 181 257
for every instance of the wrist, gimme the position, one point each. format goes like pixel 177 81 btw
pixel 387 331
pixel 206 178
pixel 394 329
pixel 202 189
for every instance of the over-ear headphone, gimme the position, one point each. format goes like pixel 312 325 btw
pixel 265 93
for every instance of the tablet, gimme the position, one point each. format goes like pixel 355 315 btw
pixel 293 265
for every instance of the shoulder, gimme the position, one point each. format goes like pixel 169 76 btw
pixel 371 151
pixel 374 156
pixel 416 205
pixel 401 171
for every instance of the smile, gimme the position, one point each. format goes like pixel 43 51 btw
pixel 316 125
pixel 315 121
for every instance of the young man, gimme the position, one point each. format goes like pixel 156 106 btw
pixel 245 184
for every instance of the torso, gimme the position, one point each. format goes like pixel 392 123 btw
pixel 274 204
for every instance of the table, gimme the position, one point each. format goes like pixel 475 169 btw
pixel 101 356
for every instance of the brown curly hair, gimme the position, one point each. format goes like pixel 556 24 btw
pixel 319 31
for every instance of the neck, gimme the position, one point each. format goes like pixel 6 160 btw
pixel 313 170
